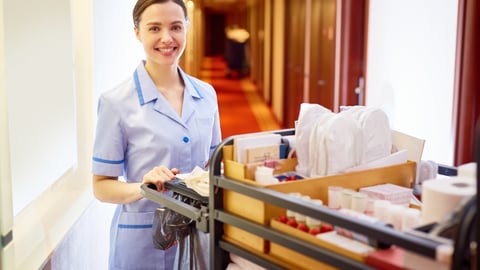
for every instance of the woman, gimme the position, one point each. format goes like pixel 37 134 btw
pixel 157 123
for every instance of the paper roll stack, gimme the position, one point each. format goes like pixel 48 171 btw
pixel 441 196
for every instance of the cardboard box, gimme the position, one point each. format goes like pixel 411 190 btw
pixel 262 212
pixel 241 171
pixel 247 207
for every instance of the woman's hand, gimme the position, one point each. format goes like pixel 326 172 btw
pixel 159 175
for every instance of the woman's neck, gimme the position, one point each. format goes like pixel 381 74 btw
pixel 169 83
pixel 164 77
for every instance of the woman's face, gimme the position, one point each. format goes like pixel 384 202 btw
pixel 162 31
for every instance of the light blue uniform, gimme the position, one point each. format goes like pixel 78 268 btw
pixel 138 129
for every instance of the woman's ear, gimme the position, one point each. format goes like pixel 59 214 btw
pixel 137 33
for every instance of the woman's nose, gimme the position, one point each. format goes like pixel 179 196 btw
pixel 165 36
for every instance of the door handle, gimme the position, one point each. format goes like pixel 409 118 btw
pixel 359 90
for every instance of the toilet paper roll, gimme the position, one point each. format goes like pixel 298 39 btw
pixel 441 196
pixel 468 170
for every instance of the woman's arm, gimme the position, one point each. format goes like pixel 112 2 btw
pixel 110 189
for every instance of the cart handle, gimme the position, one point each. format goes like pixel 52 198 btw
pixel 171 203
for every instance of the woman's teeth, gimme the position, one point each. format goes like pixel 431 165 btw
pixel 166 50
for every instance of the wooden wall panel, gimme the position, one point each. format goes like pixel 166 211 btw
pixel 322 55
pixel 467 80
pixel 294 57
pixel 352 50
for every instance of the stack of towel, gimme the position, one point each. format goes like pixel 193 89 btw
pixel 329 143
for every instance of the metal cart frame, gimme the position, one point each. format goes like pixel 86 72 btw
pixel 211 219
pixel 218 216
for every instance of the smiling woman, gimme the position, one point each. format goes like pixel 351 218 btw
pixel 168 123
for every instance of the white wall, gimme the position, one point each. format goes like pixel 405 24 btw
pixel 410 69
pixel 57 66
pixel 6 208
pixel 117 52
pixel 40 89
pixel 48 125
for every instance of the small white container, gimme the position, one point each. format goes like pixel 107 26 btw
pixel 346 198
pixel 359 202
pixel 394 215
pixel 264 175
pixel 334 194
pixel 299 217
pixel 312 222
pixel 290 213
pixel 380 209
pixel 411 218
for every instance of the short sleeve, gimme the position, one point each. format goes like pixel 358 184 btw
pixel 109 147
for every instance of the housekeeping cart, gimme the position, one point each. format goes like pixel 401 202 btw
pixel 240 218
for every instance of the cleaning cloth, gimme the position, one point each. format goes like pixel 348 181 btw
pixel 198 180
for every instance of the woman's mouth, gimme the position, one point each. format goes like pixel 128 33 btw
pixel 166 50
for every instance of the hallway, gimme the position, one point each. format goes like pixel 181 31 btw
pixel 242 110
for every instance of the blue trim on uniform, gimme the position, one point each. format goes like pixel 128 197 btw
pixel 126 226
pixel 138 87
pixel 213 147
pixel 194 86
pixel 108 161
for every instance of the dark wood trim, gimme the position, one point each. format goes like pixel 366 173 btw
pixel 294 61
pixel 467 81
pixel 352 50
pixel 365 47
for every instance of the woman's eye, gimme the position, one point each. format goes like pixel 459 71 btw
pixel 177 28
pixel 154 28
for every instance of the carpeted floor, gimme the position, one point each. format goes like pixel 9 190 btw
pixel 241 108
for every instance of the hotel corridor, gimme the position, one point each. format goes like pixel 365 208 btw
pixel 242 110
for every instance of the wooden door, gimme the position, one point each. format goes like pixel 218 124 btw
pixel 467 83
pixel 353 36
pixel 257 41
pixel 333 73
pixel 294 60
pixel 322 52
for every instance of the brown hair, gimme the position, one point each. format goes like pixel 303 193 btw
pixel 141 5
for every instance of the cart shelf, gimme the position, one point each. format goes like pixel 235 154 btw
pixel 219 216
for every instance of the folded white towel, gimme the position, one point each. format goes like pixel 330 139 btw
pixel 329 143
pixel 376 132
pixel 335 145
pixel 308 116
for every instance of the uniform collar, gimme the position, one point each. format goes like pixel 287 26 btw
pixel 147 91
